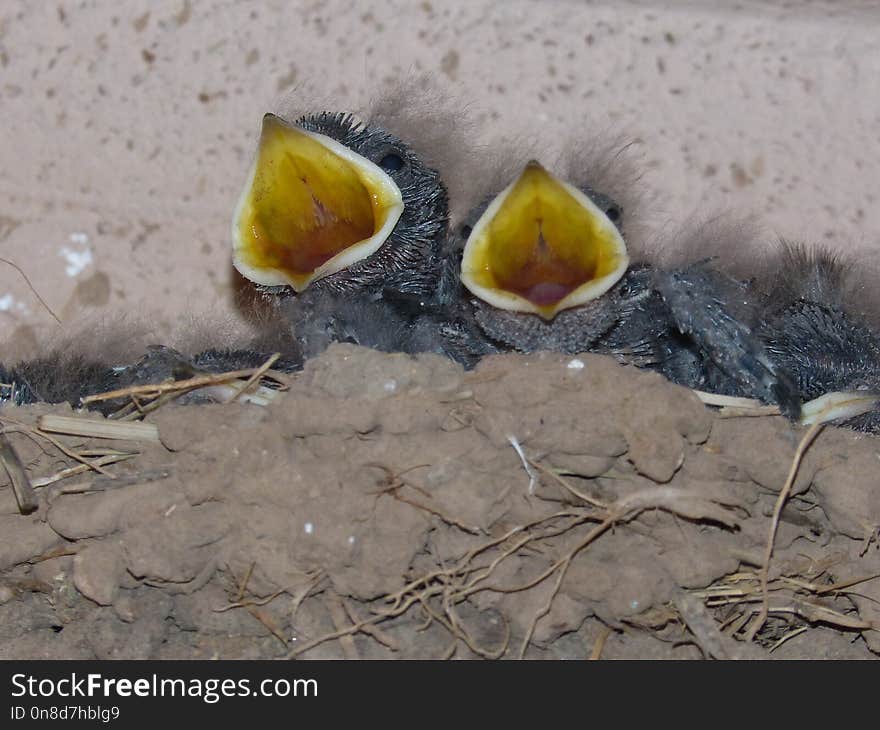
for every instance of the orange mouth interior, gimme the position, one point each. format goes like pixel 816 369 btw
pixel 306 205
pixel 542 244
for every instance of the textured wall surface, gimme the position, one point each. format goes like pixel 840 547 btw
pixel 127 127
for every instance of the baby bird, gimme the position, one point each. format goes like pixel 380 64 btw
pixel 346 224
pixel 54 378
pixel 819 322
pixel 545 267
pixel 69 372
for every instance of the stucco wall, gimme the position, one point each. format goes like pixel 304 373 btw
pixel 127 127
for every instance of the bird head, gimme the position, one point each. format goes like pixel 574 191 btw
pixel 334 203
pixel 542 246
pixel 539 259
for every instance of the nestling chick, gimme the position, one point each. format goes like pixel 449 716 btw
pixel 351 222
pixel 547 268
pixel 335 204
pixel 819 324
pixel 55 378
pixel 102 356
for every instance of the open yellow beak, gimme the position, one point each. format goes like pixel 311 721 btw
pixel 542 246
pixel 311 207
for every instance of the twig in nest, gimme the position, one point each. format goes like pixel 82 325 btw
pixel 818 614
pixel 394 483
pixel 180 386
pixel 751 412
pixel 136 409
pixel 58 552
pixel 98 428
pixel 477 575
pixel 339 617
pixel 242 586
pixel 18 478
pixel 80 468
pixel 599 644
pixel 545 609
pixel 870 536
pixel 301 592
pixel 370 630
pixel 251 601
pixel 258 373
pixel 565 485
pixel 744 590
pixel 789 635
pixel 734 406
pixel 706 632
pixel 353 629
pixel 35 433
pixel 804 444
pixel 835 588
pixel 55 491
pixel 252 606
pixel 462 635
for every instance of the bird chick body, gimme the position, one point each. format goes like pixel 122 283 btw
pixel 692 323
pixel 819 323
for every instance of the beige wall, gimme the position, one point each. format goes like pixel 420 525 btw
pixel 127 127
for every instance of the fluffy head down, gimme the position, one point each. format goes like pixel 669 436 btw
pixel 605 166
pixel 812 273
pixel 734 245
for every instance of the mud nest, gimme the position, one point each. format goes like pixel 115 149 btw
pixel 386 506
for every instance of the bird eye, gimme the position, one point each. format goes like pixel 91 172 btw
pixel 466 231
pixel 614 212
pixel 391 162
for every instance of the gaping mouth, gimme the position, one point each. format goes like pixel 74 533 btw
pixel 311 207
pixel 542 246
